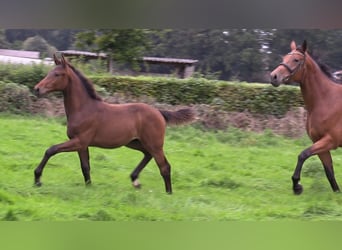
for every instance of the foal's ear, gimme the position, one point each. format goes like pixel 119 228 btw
pixel 57 61
pixel 304 46
pixel 63 61
pixel 293 45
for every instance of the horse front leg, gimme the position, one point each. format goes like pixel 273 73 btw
pixel 69 146
pixel 320 147
pixel 85 166
pixel 305 154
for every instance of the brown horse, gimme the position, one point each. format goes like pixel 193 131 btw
pixel 323 102
pixel 93 122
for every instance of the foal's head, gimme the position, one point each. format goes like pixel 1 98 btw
pixel 56 79
pixel 289 70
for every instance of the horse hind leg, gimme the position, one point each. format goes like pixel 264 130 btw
pixel 322 149
pixel 329 170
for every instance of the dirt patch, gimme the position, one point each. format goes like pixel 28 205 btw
pixel 211 117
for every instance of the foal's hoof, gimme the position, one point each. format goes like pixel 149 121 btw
pixel 136 184
pixel 297 189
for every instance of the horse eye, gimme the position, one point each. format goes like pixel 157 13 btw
pixel 296 60
pixel 56 74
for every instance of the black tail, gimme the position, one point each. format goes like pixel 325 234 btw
pixel 179 117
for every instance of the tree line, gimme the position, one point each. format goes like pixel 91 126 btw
pixel 225 54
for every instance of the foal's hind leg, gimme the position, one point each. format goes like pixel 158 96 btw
pixel 85 166
pixel 136 144
pixel 138 169
pixel 164 168
pixel 329 170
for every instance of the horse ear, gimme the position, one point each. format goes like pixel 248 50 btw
pixel 293 45
pixel 304 46
pixel 57 62
pixel 63 61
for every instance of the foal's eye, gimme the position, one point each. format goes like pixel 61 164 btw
pixel 296 60
pixel 56 74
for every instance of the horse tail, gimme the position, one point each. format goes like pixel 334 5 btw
pixel 179 117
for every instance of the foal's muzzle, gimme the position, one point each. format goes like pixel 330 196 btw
pixel 36 92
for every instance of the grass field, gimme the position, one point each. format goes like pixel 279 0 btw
pixel 216 176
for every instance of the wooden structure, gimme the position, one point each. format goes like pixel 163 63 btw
pixel 86 55
pixel 184 67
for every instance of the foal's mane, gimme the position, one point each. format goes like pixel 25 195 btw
pixel 88 85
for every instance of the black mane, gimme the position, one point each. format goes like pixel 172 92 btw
pixel 325 69
pixel 87 84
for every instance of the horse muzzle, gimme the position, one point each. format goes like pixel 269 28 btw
pixel 274 80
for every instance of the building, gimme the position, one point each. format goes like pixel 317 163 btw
pixel 22 57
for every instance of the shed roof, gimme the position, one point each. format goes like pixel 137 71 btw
pixel 169 60
pixel 82 53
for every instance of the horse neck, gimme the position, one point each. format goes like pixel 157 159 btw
pixel 76 97
pixel 315 85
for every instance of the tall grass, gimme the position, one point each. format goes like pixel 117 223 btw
pixel 216 176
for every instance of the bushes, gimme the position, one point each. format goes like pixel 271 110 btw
pixel 14 98
pixel 228 96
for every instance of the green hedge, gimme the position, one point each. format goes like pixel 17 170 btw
pixel 229 96
pixel 28 75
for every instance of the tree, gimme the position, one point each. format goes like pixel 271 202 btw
pixel 229 54
pixel 59 38
pixel 3 42
pixel 123 45
pixel 37 43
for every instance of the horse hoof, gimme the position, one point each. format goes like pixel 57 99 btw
pixel 38 184
pixel 298 189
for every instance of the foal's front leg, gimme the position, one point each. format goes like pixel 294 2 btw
pixel 69 146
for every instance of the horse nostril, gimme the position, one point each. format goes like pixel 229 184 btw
pixel 274 76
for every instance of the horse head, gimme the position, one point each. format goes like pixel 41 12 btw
pixel 289 70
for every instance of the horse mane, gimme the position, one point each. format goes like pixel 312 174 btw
pixel 324 67
pixel 88 85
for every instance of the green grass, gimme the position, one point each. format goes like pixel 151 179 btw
pixel 217 176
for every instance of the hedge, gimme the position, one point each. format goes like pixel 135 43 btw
pixel 28 75
pixel 230 96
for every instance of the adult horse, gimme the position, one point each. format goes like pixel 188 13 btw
pixel 93 122
pixel 323 102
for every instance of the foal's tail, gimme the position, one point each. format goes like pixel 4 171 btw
pixel 179 117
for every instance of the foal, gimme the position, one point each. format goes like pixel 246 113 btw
pixel 92 122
